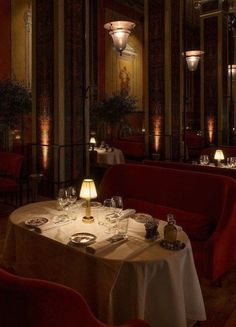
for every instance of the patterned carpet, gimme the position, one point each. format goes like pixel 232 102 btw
pixel 220 302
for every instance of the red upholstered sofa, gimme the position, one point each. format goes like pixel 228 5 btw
pixel 187 166
pixel 203 204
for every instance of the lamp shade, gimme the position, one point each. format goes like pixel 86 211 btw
pixel 119 31
pixel 92 140
pixel 219 155
pixel 192 59
pixel 88 189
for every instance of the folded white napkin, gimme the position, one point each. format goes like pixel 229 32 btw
pixel 104 245
pixel 54 222
pixel 127 213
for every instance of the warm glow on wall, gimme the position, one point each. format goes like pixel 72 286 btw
pixel 210 127
pixel 157 132
pixel 44 122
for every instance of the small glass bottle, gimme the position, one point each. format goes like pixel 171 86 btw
pixel 170 230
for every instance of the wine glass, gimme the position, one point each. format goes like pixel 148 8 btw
pixel 204 159
pixel 110 220
pixel 62 201
pixel 71 195
pixel 118 201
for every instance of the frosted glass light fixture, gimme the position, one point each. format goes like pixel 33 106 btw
pixel 192 58
pixel 120 31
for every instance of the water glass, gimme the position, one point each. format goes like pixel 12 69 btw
pixel 110 215
pixel 204 159
pixel 122 226
pixel 231 162
pixel 71 194
pixel 118 203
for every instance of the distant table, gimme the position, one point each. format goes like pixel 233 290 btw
pixel 135 279
pixel 112 156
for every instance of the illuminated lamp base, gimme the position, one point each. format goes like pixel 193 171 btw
pixel 88 220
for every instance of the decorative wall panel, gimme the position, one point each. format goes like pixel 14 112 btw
pixel 75 88
pixel 44 35
pixel 211 78
pixel 156 59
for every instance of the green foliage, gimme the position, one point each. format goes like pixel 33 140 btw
pixel 15 100
pixel 113 109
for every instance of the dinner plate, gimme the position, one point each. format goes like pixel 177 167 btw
pixel 36 221
pixel 141 217
pixel 82 238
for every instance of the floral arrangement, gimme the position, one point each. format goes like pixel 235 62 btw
pixel 113 109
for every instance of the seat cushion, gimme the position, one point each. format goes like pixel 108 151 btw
pixel 197 226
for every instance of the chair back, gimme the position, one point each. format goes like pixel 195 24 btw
pixel 11 164
pixel 27 302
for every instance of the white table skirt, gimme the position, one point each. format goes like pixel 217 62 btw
pixel 135 279
pixel 110 157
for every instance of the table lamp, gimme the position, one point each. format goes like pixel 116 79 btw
pixel 219 155
pixel 92 142
pixel 88 192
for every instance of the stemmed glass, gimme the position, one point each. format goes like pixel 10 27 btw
pixel 204 159
pixel 118 203
pixel 71 195
pixel 110 219
pixel 62 201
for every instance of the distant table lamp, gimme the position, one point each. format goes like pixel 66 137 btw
pixel 92 142
pixel 88 192
pixel 219 155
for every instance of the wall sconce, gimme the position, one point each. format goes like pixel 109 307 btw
pixel 92 142
pixel 219 155
pixel 120 31
pixel 192 58
pixel 232 71
pixel 88 192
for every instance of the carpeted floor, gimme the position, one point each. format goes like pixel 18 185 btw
pixel 220 302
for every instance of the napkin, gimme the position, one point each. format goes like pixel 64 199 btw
pixel 53 223
pixel 127 213
pixel 105 244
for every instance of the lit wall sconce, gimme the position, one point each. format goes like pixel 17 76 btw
pixel 120 31
pixel 192 58
pixel 232 71
pixel 219 155
pixel 92 142
pixel 88 192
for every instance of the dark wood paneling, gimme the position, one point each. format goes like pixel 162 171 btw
pixel 211 75
pixel 75 87
pixel 44 80
pixel 156 60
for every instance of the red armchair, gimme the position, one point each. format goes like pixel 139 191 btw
pixel 10 171
pixel 30 302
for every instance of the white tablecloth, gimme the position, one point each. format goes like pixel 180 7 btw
pixel 135 279
pixel 110 157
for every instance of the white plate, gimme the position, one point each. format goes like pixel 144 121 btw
pixel 142 217
pixel 36 221
pixel 82 238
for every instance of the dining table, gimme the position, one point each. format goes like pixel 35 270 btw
pixel 132 278
pixel 109 156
